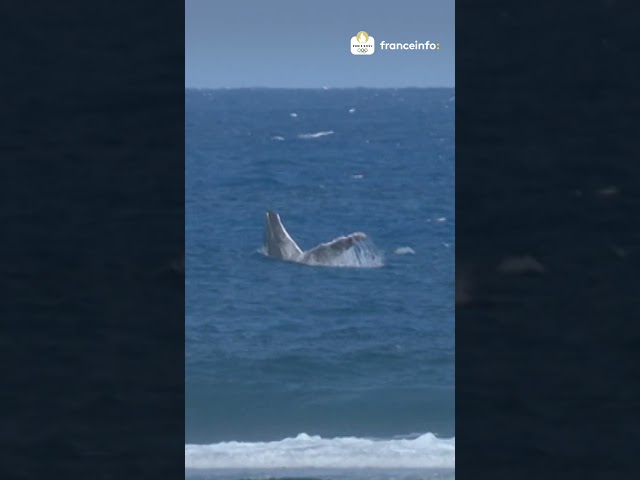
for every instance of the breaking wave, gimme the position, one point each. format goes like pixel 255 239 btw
pixel 305 451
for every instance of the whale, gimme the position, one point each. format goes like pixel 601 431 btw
pixel 278 244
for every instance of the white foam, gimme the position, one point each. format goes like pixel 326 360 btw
pixel 293 115
pixel 405 251
pixel 305 451
pixel 316 134
pixel 352 110
pixel 278 137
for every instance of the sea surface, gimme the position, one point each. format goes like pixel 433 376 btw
pixel 342 371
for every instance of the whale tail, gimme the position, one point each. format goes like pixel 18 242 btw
pixel 277 241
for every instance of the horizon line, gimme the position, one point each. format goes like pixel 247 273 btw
pixel 318 88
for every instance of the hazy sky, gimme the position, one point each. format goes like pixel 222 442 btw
pixel 303 43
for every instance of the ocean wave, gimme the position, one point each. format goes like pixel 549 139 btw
pixel 305 451
pixel 316 134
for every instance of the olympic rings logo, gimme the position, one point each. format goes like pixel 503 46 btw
pixel 363 50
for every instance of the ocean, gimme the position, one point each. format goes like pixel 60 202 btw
pixel 320 372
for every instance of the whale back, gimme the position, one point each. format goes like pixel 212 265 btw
pixel 325 252
pixel 277 241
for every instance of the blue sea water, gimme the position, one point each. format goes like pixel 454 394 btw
pixel 314 370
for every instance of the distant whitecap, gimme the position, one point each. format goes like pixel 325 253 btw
pixel 316 134
pixel 293 115
pixel 405 251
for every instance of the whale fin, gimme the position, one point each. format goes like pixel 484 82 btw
pixel 277 241
pixel 329 250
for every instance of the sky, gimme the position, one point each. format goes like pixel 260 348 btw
pixel 306 44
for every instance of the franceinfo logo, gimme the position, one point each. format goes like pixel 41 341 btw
pixel 416 45
pixel 363 44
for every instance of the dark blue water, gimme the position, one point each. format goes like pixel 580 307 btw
pixel 275 349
